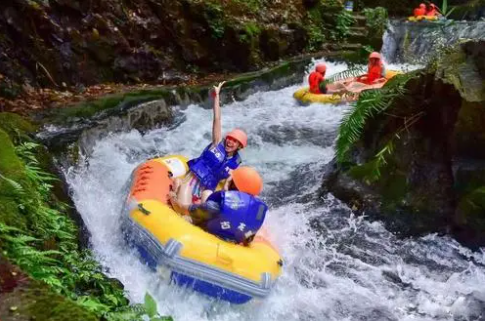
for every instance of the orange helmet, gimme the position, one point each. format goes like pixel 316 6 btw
pixel 321 68
pixel 247 180
pixel 240 136
pixel 375 55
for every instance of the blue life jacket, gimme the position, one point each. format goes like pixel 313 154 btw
pixel 241 216
pixel 213 165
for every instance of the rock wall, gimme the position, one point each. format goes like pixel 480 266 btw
pixel 434 179
pixel 58 43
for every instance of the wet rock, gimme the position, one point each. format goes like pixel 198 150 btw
pixel 23 299
pixel 434 180
pixel 72 42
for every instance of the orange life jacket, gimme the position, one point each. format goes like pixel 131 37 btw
pixel 374 72
pixel 419 12
pixel 314 81
pixel 431 13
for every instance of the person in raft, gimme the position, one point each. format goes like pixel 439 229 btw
pixel 420 11
pixel 316 80
pixel 234 214
pixel 376 71
pixel 215 163
pixel 433 10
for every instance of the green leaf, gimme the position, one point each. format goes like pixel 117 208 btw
pixel 150 305
pixel 13 183
pixel 162 319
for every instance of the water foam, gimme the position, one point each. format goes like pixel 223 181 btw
pixel 337 267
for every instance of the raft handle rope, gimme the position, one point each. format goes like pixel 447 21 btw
pixel 143 210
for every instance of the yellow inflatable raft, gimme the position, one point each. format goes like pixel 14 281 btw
pixel 422 18
pixel 304 96
pixel 189 256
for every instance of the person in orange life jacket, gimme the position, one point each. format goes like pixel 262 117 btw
pixel 376 71
pixel 215 163
pixel 316 78
pixel 433 11
pixel 234 214
pixel 420 11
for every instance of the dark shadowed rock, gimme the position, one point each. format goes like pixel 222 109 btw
pixel 434 181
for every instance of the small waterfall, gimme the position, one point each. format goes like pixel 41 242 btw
pixel 416 42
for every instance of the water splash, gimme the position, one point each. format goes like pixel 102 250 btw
pixel 337 266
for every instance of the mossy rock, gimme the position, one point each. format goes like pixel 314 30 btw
pixel 89 109
pixel 11 166
pixel 473 204
pixel 470 218
pixel 16 126
pixel 13 174
pixel 456 68
pixel 36 302
pixel 470 130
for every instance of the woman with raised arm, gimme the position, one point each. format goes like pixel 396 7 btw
pixel 215 163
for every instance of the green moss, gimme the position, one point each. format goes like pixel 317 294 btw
pixel 214 15
pixel 376 20
pixel 471 208
pixel 365 173
pixel 15 126
pixel 469 129
pixel 9 212
pixel 11 167
pixel 395 187
pixel 391 183
pixel 9 90
pixel 453 67
pixel 90 108
pixel 267 75
pixel 252 29
pixel 252 5
pixel 37 302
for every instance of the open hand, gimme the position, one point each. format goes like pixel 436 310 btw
pixel 217 89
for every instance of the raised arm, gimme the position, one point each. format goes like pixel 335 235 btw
pixel 216 122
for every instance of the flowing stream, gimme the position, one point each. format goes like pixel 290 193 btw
pixel 337 266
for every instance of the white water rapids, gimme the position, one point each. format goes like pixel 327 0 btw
pixel 336 267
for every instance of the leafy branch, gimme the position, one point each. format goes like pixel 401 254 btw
pixel 370 104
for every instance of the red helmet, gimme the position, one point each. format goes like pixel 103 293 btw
pixel 321 68
pixel 375 55
pixel 422 5
pixel 240 136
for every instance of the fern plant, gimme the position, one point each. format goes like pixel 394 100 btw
pixel 349 73
pixel 48 250
pixel 370 104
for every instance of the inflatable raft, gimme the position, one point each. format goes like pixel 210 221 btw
pixel 422 18
pixel 304 96
pixel 185 254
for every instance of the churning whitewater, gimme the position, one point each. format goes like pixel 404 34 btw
pixel 336 266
